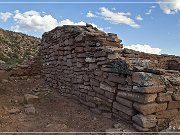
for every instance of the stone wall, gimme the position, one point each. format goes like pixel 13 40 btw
pixel 92 67
pixel 30 68
pixel 168 62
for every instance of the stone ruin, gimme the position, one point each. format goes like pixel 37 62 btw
pixel 91 66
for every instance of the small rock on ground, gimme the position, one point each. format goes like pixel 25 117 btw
pixel 29 98
pixel 14 111
pixel 29 109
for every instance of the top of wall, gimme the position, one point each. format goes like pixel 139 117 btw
pixel 110 43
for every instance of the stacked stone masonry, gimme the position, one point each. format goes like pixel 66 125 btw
pixel 91 66
pixel 31 68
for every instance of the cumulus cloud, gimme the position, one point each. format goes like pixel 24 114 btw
pixel 170 8
pixel 90 14
pixel 5 16
pixel 144 48
pixel 32 20
pixel 139 18
pixel 117 17
pixel 35 21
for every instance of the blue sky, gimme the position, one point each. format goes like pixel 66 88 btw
pixel 146 27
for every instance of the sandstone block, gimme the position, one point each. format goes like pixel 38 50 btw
pixel 113 56
pixel 161 121
pixel 104 100
pixel 86 78
pixel 91 93
pixel 124 109
pixel 98 72
pixel 104 108
pixel 110 95
pixel 124 102
pixel 81 55
pixel 174 104
pixel 99 54
pixel 79 65
pixel 176 96
pixel 125 87
pixel 167 114
pixel 106 87
pixel 101 58
pixel 164 97
pixel 138 97
pixel 150 108
pixel 139 128
pixel 89 98
pixel 79 37
pixel 116 78
pixel 69 62
pixel 150 89
pixel 174 81
pixel 92 66
pixel 142 79
pixel 107 69
pixel 112 84
pixel 98 90
pixel 90 60
pixel 145 121
pixel 94 82
pixel 123 116
pixel 146 79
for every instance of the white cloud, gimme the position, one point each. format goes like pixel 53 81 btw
pixel 149 12
pixel 170 8
pixel 153 6
pixel 144 48
pixel 69 22
pixel 5 16
pixel 139 18
pixel 90 14
pixel 94 25
pixel 117 17
pixel 34 21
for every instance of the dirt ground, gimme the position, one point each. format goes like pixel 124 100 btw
pixel 50 113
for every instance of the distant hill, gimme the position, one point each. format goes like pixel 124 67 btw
pixel 16 47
